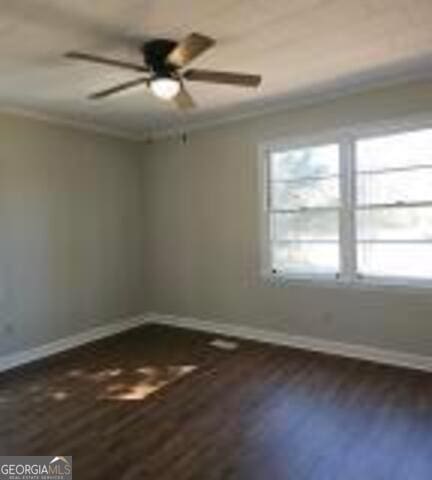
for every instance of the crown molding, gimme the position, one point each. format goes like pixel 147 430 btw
pixel 273 106
pixel 416 70
pixel 61 121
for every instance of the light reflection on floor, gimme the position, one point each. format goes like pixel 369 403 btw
pixel 153 381
pixel 119 384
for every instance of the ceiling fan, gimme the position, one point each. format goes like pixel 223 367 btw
pixel 164 61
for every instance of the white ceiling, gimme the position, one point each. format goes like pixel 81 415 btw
pixel 300 47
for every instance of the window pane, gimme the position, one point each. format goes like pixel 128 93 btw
pixel 306 258
pixel 305 193
pixel 395 224
pixel 306 162
pixel 392 187
pixel 393 151
pixel 310 225
pixel 395 260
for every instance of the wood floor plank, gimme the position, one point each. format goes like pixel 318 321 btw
pixel 161 403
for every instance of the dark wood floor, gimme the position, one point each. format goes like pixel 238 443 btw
pixel 160 403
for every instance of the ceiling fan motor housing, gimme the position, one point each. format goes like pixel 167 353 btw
pixel 155 55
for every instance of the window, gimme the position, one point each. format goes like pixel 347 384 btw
pixel 304 204
pixel 394 212
pixel 352 210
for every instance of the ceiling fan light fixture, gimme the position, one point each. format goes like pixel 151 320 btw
pixel 165 88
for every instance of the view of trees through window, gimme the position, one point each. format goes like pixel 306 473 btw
pixel 304 200
pixel 394 197
pixel 391 208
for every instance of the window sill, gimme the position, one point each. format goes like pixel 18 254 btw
pixel 390 285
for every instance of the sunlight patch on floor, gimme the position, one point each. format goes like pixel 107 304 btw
pixel 59 396
pixel 154 378
pixel 114 383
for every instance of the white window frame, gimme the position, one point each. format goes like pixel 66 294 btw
pixel 346 138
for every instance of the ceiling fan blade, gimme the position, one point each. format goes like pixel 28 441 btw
pixel 88 57
pixel 183 100
pixel 117 88
pixel 189 48
pixel 228 78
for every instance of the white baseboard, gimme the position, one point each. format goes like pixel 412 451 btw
pixel 362 352
pixel 66 343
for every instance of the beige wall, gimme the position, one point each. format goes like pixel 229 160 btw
pixel 200 207
pixel 94 228
pixel 70 231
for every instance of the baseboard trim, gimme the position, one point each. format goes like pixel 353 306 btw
pixel 17 359
pixel 362 352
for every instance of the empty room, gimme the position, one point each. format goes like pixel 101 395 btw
pixel 216 240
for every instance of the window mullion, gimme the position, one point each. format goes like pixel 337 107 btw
pixel 265 207
pixel 347 212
